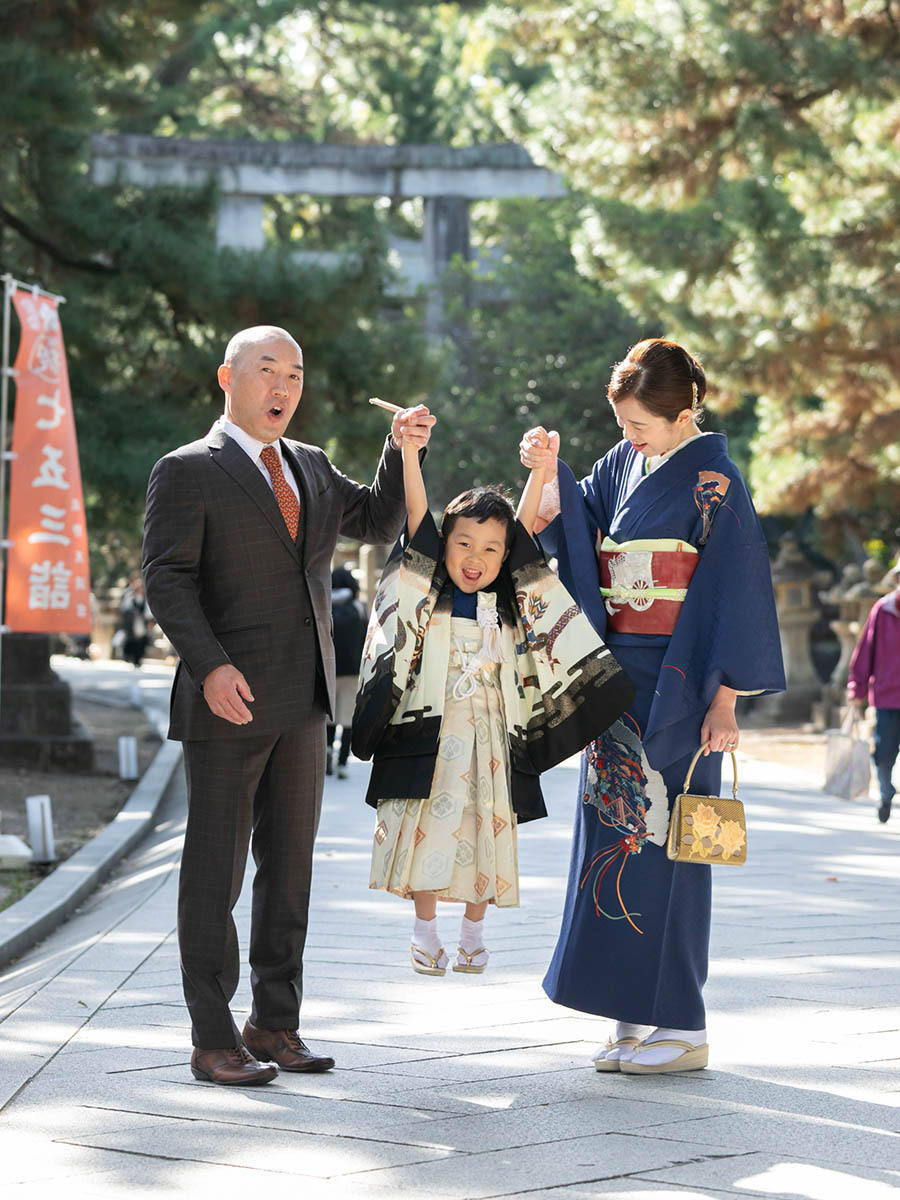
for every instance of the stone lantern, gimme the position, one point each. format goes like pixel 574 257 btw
pixel 794 579
pixel 845 624
pixel 853 594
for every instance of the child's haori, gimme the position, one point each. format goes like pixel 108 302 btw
pixel 464 698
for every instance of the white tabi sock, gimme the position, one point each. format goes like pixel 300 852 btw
pixel 624 1029
pixel 650 1057
pixel 425 937
pixel 471 935
pixel 471 938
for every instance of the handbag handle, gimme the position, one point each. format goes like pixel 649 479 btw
pixel 690 770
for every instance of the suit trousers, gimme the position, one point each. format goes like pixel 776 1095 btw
pixel 265 791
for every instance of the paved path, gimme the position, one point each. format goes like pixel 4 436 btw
pixel 476 1086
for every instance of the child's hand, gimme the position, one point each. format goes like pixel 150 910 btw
pixel 413 426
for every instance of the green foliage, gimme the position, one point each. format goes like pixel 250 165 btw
pixel 534 344
pixel 734 175
pixel 743 171
pixel 151 301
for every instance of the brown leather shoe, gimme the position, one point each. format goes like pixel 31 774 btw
pixel 232 1066
pixel 285 1047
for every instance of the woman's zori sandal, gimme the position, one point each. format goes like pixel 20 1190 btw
pixel 428 964
pixel 694 1058
pixel 602 1061
pixel 466 964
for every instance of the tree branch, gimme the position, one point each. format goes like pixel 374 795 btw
pixel 57 254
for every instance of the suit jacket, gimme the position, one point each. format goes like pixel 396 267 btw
pixel 227 584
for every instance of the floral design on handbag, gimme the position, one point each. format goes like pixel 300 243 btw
pixel 707 829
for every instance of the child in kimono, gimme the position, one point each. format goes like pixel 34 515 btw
pixel 479 672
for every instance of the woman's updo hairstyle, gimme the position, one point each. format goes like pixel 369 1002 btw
pixel 662 376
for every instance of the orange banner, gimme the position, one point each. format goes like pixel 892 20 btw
pixel 48 583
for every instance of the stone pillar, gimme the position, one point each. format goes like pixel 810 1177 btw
pixel 844 625
pixel 792 578
pixel 239 222
pixel 446 234
pixel 36 725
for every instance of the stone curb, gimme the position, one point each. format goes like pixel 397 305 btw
pixel 56 897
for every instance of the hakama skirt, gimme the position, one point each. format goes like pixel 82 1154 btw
pixel 459 842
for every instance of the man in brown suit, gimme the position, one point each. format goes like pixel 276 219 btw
pixel 239 535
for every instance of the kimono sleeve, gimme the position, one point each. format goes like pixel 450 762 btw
pixel 727 631
pixel 572 537
pixel 569 687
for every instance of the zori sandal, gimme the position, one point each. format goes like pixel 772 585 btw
pixel 428 964
pixel 603 1063
pixel 695 1058
pixel 469 966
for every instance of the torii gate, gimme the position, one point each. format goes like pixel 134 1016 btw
pixel 447 178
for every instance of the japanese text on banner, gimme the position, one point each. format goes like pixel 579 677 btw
pixel 48 584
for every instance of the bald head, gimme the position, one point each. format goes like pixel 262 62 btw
pixel 262 378
pixel 254 337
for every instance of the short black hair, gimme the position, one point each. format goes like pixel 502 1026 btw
pixel 481 504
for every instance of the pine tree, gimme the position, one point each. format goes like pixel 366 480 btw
pixel 742 169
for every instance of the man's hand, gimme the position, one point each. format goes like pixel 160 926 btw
pixel 225 689
pixel 412 425
pixel 539 448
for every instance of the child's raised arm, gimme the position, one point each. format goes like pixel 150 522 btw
pixel 414 487
pixel 531 498
pixel 413 483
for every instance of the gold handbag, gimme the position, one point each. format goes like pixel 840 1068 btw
pixel 707 829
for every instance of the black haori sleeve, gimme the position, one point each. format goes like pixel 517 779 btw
pixel 397 719
pixel 570 686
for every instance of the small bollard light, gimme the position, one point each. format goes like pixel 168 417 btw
pixel 128 759
pixel 40 829
pixel 13 852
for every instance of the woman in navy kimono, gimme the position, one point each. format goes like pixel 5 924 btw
pixel 662 549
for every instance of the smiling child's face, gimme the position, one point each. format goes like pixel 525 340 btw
pixel 474 552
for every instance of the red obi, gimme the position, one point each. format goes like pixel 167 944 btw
pixel 643 583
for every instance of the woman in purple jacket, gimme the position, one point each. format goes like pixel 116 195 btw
pixel 875 679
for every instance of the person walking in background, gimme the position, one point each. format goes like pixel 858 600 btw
pixel 479 673
pixel 875 679
pixel 661 547
pixel 135 621
pixel 349 617
pixel 240 531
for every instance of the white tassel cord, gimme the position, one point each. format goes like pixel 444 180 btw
pixel 491 645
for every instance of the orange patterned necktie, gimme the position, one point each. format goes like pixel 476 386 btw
pixel 284 493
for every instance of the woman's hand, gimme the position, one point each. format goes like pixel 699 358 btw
pixel 719 727
pixel 540 449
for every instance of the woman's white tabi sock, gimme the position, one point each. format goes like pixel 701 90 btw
pixel 650 1057
pixel 425 937
pixel 624 1029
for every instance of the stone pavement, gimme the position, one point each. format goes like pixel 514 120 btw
pixel 476 1086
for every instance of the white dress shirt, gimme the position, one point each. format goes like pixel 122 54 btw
pixel 253 449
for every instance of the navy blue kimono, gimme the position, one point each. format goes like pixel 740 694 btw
pixel 634 940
